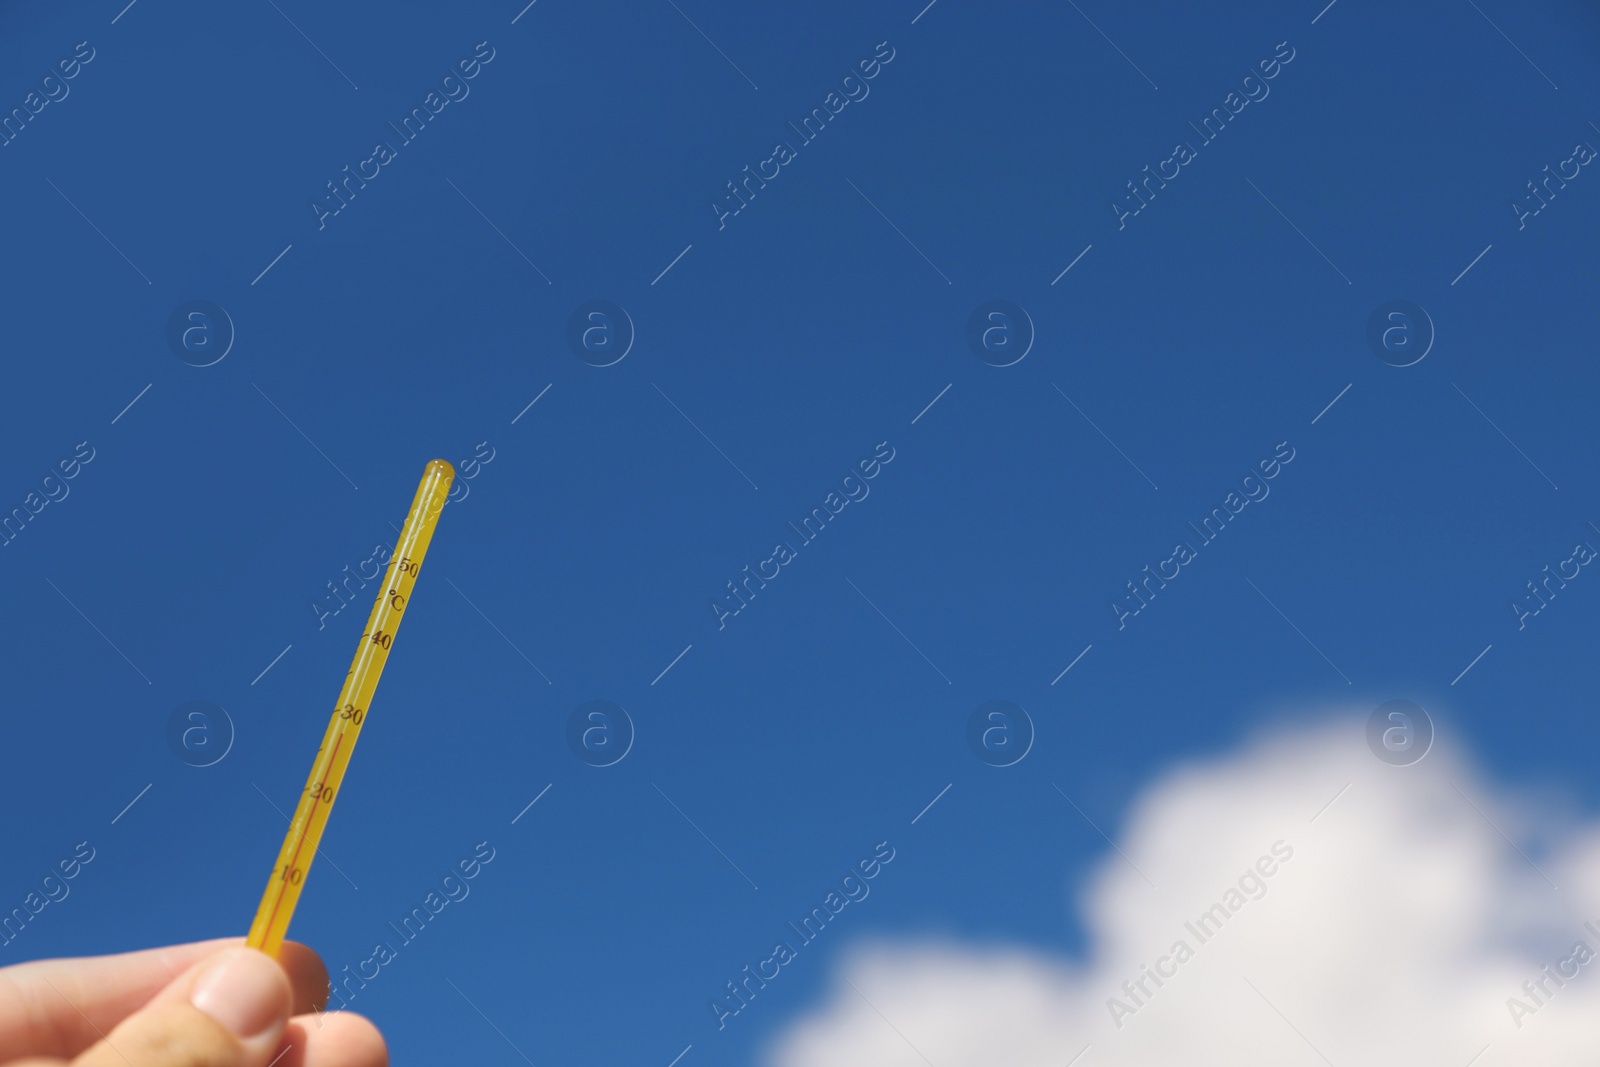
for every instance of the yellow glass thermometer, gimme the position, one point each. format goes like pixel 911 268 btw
pixel 344 728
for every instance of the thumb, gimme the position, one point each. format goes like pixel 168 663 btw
pixel 229 1010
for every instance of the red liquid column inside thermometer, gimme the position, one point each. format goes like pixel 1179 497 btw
pixel 349 714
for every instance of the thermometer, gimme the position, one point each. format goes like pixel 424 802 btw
pixel 349 714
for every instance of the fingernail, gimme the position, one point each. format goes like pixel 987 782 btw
pixel 244 990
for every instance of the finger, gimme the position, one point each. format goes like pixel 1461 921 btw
pixel 337 1039
pixel 61 1007
pixel 308 976
pixel 227 1011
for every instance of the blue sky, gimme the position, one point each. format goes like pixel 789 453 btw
pixel 769 359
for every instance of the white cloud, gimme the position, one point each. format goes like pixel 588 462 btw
pixel 1394 934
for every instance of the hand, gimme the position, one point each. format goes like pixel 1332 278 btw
pixel 207 1004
